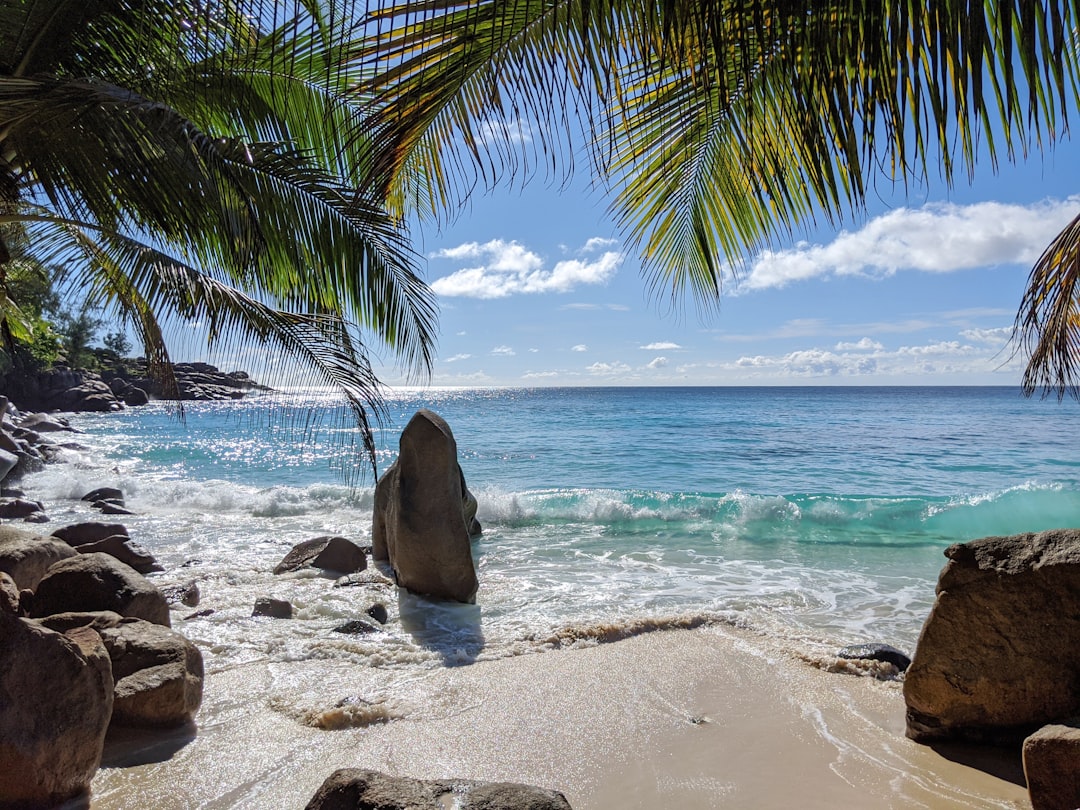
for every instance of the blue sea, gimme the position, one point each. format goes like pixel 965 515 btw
pixel 815 515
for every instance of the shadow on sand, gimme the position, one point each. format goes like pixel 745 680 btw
pixel 451 629
pixel 1004 762
pixel 128 747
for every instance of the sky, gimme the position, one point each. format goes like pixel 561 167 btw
pixel 536 287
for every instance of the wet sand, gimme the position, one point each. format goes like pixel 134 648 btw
pixel 705 718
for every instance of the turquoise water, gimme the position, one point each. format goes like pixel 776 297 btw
pixel 819 514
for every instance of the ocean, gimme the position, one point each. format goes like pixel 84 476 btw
pixel 816 516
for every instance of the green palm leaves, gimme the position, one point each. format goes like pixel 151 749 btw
pixel 202 163
pixel 721 125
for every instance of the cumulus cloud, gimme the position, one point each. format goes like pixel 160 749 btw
pixel 996 337
pixel 607 369
pixel 457 357
pixel 509 268
pixel 937 238
pixel 597 243
pixel 658 362
pixel 581 347
pixel 503 351
pixel 538 375
pixel 661 346
pixel 864 345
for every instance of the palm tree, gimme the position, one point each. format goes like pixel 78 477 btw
pixel 192 161
pixel 723 125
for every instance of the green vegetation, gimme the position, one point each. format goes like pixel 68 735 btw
pixel 190 162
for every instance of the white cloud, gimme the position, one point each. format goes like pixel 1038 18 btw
pixel 539 375
pixel 996 337
pixel 937 238
pixel 517 131
pixel 864 345
pixel 581 347
pixel 663 345
pixel 457 357
pixel 533 351
pixel 607 369
pixel 503 351
pixel 597 243
pixel 659 362
pixel 509 268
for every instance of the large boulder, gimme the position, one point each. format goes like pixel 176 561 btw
pixel 26 557
pixel 419 523
pixel 355 788
pixel 79 534
pixel 158 674
pixel 88 582
pixel 329 553
pixel 125 550
pixel 57 693
pixel 996 658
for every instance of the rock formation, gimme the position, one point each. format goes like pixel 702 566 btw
pixel 351 788
pixel 996 658
pixel 419 523
pixel 58 696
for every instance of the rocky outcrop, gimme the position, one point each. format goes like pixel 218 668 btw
pixel 1052 767
pixel 26 556
pixel 328 553
pixel 352 788
pixel 131 382
pixel 274 608
pixel 57 699
pixel 89 582
pixel 79 534
pixel 996 658
pixel 419 523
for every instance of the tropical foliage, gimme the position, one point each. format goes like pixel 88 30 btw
pixel 724 124
pixel 201 163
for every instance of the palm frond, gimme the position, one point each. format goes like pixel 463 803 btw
pixel 1047 327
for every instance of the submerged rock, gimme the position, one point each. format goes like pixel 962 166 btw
pixel 877 652
pixel 274 608
pixel 996 658
pixel 419 523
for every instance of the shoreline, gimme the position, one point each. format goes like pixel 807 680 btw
pixel 694 719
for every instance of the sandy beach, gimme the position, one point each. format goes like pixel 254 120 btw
pixel 712 717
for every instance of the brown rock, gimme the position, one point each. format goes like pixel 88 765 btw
pixel 419 521
pixel 330 553
pixel 125 550
pixel 370 576
pixel 58 694
pixel 1052 767
pixel 158 673
pixel 89 582
pixel 79 534
pixel 26 557
pixel 17 508
pixel 186 594
pixel 274 608
pixel 358 789
pixel 94 619
pixel 9 595
pixel 104 494
pixel 996 657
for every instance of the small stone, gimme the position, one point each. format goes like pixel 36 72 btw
pixel 369 577
pixel 274 608
pixel 356 627
pixel 104 494
pixel 186 594
pixel 378 612
pixel 200 614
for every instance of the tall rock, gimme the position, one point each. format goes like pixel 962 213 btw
pixel 996 658
pixel 419 524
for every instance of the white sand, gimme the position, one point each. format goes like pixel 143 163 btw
pixel 611 726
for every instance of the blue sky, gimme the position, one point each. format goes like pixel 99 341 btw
pixel 537 288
